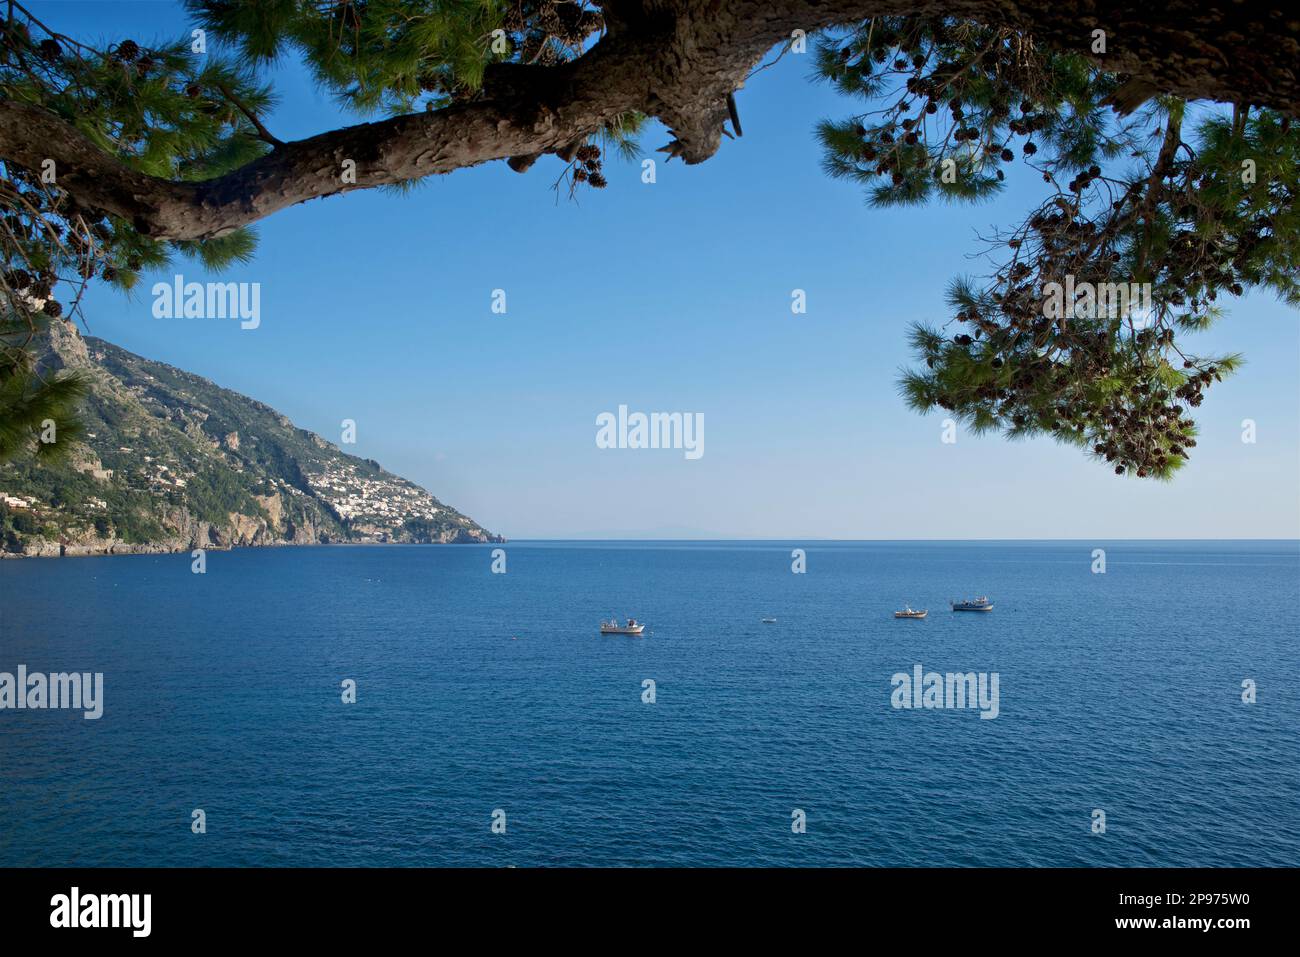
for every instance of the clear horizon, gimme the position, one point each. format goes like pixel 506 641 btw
pixel 676 297
pixel 860 540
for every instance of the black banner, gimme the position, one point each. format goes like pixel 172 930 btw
pixel 335 906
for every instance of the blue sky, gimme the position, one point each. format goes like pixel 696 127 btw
pixel 675 296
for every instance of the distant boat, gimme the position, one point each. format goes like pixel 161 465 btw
pixel 769 621
pixel 975 604
pixel 910 612
pixel 612 627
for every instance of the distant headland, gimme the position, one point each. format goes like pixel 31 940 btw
pixel 169 462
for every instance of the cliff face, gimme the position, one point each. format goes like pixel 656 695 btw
pixel 171 462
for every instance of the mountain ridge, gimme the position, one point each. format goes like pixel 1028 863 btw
pixel 170 461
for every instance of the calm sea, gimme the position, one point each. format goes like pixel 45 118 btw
pixel 479 692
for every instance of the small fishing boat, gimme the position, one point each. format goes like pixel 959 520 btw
pixel 974 604
pixel 612 627
pixel 769 621
pixel 910 612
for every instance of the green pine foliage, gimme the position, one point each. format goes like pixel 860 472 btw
pixel 1180 214
pixel 187 109
pixel 1193 204
pixel 388 55
pixel 37 407
pixel 164 109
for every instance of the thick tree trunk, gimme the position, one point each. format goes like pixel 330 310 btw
pixel 677 60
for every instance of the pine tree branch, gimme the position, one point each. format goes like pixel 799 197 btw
pixel 676 60
pixel 262 132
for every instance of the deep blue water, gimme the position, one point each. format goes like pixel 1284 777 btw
pixel 1119 691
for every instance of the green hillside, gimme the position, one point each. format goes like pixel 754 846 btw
pixel 169 462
